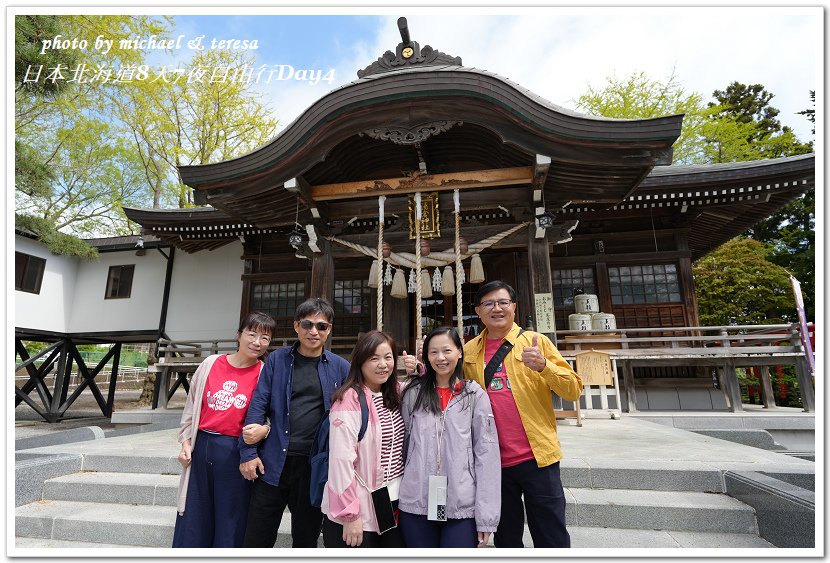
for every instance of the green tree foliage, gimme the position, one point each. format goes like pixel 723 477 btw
pixel 56 241
pixel 114 143
pixel 95 171
pixel 639 97
pixel 737 284
pixel 789 233
pixel 738 125
pixel 743 126
pixel 191 122
pixel 29 33
pixel 810 113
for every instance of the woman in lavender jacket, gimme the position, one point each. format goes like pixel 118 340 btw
pixel 451 433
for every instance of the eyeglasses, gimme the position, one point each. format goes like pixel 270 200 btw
pixel 502 303
pixel 321 326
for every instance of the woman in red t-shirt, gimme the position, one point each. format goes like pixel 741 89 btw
pixel 213 494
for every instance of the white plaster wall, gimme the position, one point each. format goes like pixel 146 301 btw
pixel 51 308
pixel 92 313
pixel 206 294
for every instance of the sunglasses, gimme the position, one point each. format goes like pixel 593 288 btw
pixel 321 326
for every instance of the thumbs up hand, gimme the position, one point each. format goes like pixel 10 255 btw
pixel 411 363
pixel 532 355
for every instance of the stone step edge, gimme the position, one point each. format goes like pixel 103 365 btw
pixel 647 539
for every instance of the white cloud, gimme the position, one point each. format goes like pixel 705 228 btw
pixel 557 52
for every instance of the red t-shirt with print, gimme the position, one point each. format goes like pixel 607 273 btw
pixel 513 443
pixel 227 395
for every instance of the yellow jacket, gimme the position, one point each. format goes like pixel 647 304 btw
pixel 531 389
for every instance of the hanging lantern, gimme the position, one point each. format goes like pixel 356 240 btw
pixel 373 274
pixel 425 247
pixel 436 280
pixel 387 278
pixel 463 245
pixel 448 287
pixel 410 284
pixel 386 249
pixel 399 285
pixel 476 270
pixel 426 286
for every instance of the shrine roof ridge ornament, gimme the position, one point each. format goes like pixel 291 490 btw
pixel 408 54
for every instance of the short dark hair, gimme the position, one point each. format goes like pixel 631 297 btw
pixel 313 306
pixel 258 321
pixel 492 286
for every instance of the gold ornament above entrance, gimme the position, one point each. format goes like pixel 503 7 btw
pixel 430 225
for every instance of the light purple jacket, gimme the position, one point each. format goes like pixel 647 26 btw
pixel 470 457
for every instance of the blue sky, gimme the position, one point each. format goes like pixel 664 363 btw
pixel 554 52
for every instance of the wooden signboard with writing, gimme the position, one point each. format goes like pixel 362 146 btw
pixel 544 312
pixel 595 368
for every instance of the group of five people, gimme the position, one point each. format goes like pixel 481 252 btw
pixel 461 451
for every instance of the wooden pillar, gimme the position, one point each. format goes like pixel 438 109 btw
pixel 322 273
pixel 396 320
pixel 64 369
pixel 541 280
pixel 687 281
pixel 803 373
pixel 116 359
pixel 805 385
pixel 630 390
pixel 732 388
pixel 767 394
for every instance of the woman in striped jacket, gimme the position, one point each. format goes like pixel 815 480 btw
pixel 361 496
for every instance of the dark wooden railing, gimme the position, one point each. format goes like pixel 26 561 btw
pixel 722 347
pixel 179 359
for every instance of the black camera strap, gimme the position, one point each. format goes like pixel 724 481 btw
pixel 496 360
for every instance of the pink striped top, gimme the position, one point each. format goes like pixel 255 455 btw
pixel 392 434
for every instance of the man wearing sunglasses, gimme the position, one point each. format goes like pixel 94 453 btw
pixel 519 386
pixel 294 392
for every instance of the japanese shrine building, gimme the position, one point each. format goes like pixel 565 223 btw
pixel 626 224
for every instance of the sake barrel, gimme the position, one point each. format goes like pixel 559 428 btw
pixel 586 303
pixel 579 321
pixel 603 321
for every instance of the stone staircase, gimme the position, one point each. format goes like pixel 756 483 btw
pixel 119 501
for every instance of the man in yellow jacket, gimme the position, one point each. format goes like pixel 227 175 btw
pixel 519 387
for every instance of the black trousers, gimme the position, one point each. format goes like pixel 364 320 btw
pixel 333 537
pixel 544 501
pixel 268 504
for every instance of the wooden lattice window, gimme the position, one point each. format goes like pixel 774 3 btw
pixel 566 281
pixel 649 283
pixel 352 307
pixel 277 299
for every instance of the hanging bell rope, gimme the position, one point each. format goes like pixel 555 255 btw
pixel 418 329
pixel 378 279
pixel 435 259
pixel 459 268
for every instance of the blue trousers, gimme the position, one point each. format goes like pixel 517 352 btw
pixel 216 510
pixel 419 532
pixel 544 501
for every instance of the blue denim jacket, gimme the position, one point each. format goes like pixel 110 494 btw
pixel 272 397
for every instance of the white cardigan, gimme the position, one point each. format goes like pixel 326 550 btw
pixel 189 428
